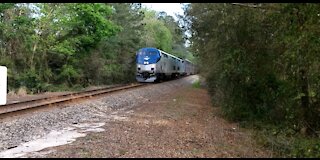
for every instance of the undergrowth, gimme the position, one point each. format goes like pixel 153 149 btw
pixel 283 141
pixel 196 84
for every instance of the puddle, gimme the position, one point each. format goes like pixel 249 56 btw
pixel 54 138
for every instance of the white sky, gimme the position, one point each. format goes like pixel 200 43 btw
pixel 169 8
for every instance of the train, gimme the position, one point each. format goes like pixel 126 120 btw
pixel 154 65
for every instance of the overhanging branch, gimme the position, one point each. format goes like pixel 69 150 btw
pixel 257 6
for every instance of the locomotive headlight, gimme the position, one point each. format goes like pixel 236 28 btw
pixel 138 66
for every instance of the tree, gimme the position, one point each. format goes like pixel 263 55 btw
pixel 157 35
pixel 260 60
pixel 73 31
pixel 119 50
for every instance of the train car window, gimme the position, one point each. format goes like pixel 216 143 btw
pixel 165 55
pixel 174 67
pixel 178 68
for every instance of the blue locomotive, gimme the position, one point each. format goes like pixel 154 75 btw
pixel 154 65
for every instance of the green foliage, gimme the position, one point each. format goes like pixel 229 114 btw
pixel 254 69
pixel 119 51
pixel 49 47
pixel 70 74
pixel 54 46
pixel 32 81
pixel 309 148
pixel 162 31
pixel 261 64
pixel 5 6
pixel 196 84
pixel 285 142
pixel 157 34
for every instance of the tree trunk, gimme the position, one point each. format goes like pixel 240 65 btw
pixel 305 103
pixel 304 89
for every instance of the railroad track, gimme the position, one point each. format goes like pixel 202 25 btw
pixel 53 100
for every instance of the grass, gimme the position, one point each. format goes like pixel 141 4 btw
pixel 283 143
pixel 196 84
pixel 22 91
pixel 122 151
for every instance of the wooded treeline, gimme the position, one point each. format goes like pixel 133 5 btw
pixel 53 46
pixel 261 62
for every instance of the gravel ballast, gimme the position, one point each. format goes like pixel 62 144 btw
pixel 27 128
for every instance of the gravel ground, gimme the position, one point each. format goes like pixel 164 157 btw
pixel 171 119
pixel 27 128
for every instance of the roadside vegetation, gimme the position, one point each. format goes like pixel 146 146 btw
pixel 261 64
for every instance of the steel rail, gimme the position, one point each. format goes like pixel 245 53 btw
pixel 52 100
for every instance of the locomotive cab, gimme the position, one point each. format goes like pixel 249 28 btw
pixel 146 59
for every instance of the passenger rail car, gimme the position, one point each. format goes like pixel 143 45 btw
pixel 154 64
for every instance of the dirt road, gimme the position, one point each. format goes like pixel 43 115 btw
pixel 179 124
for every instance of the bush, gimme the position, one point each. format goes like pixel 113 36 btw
pixel 196 84
pixel 284 141
pixel 31 80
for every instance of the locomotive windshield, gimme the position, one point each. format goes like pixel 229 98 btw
pixel 148 56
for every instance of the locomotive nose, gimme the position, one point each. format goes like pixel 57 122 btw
pixel 146 68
